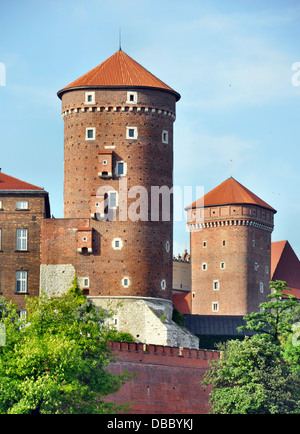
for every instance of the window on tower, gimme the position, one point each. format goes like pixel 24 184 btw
pixel 90 133
pixel 131 133
pixel 165 137
pixel 121 168
pixel 112 199
pixel 215 306
pixel 131 97
pixel 216 285
pixel 89 98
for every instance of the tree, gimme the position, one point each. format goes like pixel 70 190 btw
pixel 55 362
pixel 251 378
pixel 260 375
pixel 277 316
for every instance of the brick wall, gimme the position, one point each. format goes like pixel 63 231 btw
pixel 167 379
pixel 13 260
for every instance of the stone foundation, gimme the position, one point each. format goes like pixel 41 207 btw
pixel 148 320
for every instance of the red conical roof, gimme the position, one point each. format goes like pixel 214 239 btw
pixel 119 70
pixel 9 183
pixel 230 192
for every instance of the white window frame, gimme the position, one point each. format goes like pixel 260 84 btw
pixel 86 282
pixel 22 204
pixel 222 265
pixel 0 204
pixel 21 281
pixel 126 282
pixel 22 239
pixel 115 241
pixel 168 246
pixel 87 95
pixel 215 306
pixel 109 199
pixel 94 133
pixel 204 266
pixel 135 133
pixel 165 137
pixel 129 100
pixel 216 285
pixel 261 287
pixel 163 284
pixel 204 244
pixel 0 239
pixel 124 169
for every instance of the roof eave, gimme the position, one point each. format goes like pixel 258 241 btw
pixel 269 208
pixel 69 89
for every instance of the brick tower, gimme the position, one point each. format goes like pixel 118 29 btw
pixel 230 250
pixel 118 157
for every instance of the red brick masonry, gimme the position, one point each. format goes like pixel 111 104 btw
pixel 167 379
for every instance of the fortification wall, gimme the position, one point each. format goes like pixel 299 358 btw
pixel 167 379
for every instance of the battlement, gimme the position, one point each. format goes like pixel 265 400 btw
pixel 162 355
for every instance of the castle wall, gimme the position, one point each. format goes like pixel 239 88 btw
pixel 167 379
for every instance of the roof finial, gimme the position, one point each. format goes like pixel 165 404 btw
pixel 120 39
pixel 230 168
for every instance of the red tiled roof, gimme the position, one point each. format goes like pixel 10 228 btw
pixel 9 183
pixel 285 266
pixel 230 192
pixel 119 70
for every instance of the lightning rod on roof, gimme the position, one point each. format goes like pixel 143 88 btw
pixel 230 168
pixel 120 39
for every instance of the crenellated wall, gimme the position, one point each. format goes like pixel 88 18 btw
pixel 167 379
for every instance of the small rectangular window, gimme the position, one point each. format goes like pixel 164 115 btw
pixel 86 282
pixel 131 97
pixel 21 281
pixel 90 133
pixel 224 243
pixel 89 98
pixel 165 137
pixel 204 243
pixel 131 133
pixel 216 285
pixel 204 266
pixel 0 239
pixel 22 204
pixel 0 204
pixel 112 199
pixel 215 306
pixel 120 168
pixel 222 265
pixel 22 239
pixel 261 287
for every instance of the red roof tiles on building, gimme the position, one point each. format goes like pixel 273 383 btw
pixel 228 193
pixel 285 266
pixel 8 183
pixel 119 70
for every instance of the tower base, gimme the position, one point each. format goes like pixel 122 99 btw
pixel 147 319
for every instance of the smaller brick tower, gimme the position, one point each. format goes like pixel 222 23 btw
pixel 230 250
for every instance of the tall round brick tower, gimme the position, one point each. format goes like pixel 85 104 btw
pixel 230 250
pixel 118 176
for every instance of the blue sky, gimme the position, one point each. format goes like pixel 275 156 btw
pixel 231 61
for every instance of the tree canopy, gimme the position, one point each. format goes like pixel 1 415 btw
pixel 55 360
pixel 261 374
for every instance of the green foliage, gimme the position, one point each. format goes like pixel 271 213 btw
pixel 260 375
pixel 114 336
pixel 251 378
pixel 55 362
pixel 178 317
pixel 277 316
